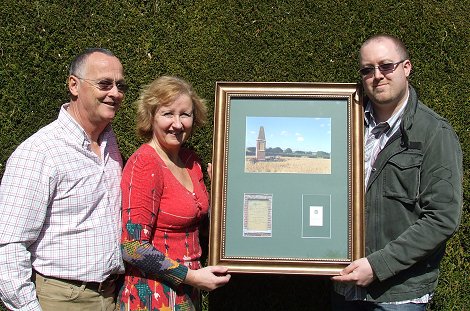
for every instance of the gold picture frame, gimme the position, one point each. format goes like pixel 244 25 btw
pixel 288 185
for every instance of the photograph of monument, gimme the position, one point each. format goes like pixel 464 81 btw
pixel 261 145
pixel 288 145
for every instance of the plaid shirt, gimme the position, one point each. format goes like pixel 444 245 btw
pixel 59 210
pixel 376 136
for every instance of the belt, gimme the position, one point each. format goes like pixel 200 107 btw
pixel 94 286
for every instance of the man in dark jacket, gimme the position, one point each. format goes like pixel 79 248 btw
pixel 413 184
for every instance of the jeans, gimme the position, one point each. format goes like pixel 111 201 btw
pixel 338 303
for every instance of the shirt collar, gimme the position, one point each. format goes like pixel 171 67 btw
pixel 369 119
pixel 75 130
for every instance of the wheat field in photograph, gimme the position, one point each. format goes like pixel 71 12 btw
pixel 289 165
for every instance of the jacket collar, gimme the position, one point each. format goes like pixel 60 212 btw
pixel 408 116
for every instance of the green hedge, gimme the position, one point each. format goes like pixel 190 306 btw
pixel 205 41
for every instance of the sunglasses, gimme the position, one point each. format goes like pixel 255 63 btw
pixel 385 68
pixel 107 84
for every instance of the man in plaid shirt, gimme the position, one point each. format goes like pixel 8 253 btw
pixel 60 199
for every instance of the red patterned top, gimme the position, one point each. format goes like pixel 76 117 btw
pixel 160 237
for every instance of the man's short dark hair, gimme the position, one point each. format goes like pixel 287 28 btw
pixel 401 48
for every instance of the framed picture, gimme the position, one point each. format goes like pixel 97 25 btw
pixel 287 180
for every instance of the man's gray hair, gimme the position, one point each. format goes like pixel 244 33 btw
pixel 77 65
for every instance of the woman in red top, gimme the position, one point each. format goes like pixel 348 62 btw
pixel 164 200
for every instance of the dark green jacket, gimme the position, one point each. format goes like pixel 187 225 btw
pixel 413 204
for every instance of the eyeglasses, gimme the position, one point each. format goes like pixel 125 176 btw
pixel 384 68
pixel 107 84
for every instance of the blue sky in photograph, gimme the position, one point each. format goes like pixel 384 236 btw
pixel 299 134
